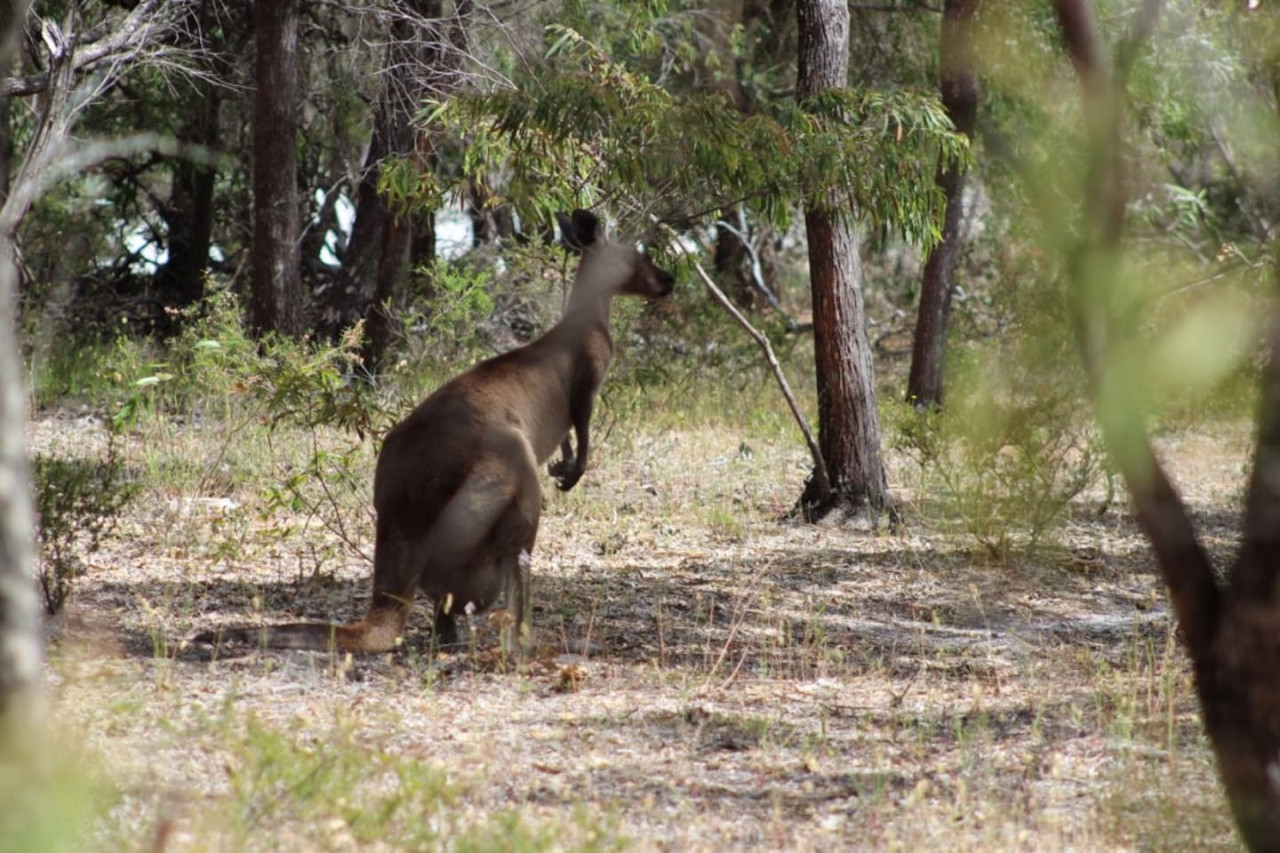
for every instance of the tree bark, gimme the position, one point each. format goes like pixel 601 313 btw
pixel 6 147
pixel 384 243
pixel 1232 633
pixel 729 262
pixel 20 652
pixel 960 98
pixel 848 423
pixel 276 303
pixel 189 214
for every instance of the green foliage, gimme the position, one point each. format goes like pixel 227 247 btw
pixel 51 795
pixel 215 364
pixel 343 790
pixel 335 787
pixel 78 502
pixel 592 129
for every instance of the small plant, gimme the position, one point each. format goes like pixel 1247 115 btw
pixel 78 502
pixel 1004 463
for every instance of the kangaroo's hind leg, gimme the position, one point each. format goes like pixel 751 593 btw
pixel 512 546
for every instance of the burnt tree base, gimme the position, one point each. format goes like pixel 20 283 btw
pixel 843 505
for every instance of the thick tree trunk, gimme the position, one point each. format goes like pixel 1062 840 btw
pixel 1237 678
pixel 189 216
pixel 276 302
pixel 385 243
pixel 20 652
pixel 1239 692
pixel 848 423
pixel 960 97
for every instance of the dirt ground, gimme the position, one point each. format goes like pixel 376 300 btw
pixel 706 676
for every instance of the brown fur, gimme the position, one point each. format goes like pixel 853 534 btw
pixel 456 489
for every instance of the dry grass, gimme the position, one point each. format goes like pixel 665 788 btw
pixel 751 684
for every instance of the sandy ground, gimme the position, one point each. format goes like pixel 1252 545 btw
pixel 748 682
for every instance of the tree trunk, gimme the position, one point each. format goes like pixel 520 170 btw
pixel 19 606
pixel 189 215
pixel 848 423
pixel 490 223
pixel 6 147
pixel 385 242
pixel 960 98
pixel 1232 632
pixel 276 302
pixel 730 264
pixel 20 651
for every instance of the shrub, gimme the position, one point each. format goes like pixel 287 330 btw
pixel 78 502
pixel 1006 458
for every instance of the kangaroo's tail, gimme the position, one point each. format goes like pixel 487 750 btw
pixel 367 635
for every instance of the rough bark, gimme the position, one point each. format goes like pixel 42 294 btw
pixel 960 98
pixel 19 608
pixel 385 243
pixel 1231 632
pixel 848 424
pixel 189 214
pixel 275 304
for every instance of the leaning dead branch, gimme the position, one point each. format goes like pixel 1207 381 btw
pixel 819 466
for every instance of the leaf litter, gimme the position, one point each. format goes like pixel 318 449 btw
pixel 704 675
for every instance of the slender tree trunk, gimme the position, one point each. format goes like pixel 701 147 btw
pixel 189 215
pixel 490 223
pixel 6 146
pixel 19 606
pixel 276 302
pixel 848 423
pixel 1232 632
pixel 729 262
pixel 20 652
pixel 960 97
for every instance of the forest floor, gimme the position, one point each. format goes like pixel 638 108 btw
pixel 747 682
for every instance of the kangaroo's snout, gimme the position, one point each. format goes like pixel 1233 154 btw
pixel 662 282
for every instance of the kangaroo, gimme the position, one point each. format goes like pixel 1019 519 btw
pixel 456 487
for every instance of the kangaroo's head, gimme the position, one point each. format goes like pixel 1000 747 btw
pixel 609 268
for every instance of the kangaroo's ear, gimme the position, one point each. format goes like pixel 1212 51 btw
pixel 579 230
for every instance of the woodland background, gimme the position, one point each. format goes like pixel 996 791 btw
pixel 1005 246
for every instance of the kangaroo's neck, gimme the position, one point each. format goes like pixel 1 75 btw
pixel 589 304
pixel 587 307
